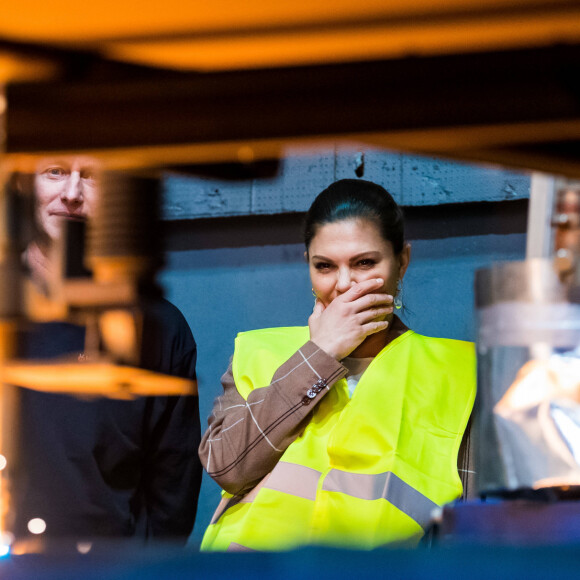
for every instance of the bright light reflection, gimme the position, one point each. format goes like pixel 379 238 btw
pixel 5 543
pixel 3 462
pixel 84 547
pixel 36 526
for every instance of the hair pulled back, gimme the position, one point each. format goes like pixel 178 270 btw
pixel 356 199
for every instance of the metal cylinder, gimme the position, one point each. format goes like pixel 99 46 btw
pixel 123 240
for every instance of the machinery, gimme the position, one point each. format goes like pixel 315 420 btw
pixel 528 366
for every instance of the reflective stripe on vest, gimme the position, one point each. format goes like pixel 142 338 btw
pixel 235 547
pixel 383 486
pixel 286 477
pixel 294 479
pixel 302 482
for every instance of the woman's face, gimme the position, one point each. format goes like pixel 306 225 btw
pixel 64 189
pixel 349 251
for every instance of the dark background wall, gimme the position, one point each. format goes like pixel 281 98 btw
pixel 235 260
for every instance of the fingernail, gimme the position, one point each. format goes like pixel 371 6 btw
pixel 379 280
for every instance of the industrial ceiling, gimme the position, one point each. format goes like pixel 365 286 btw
pixel 157 83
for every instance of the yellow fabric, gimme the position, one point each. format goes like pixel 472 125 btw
pixel 406 416
pixel 258 353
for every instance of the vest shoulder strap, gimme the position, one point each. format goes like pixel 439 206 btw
pixel 259 353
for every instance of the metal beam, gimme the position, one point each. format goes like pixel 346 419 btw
pixel 414 101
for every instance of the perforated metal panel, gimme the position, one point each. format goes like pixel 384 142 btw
pixel 412 180
pixel 301 177
pixel 429 181
pixel 376 165
pixel 192 197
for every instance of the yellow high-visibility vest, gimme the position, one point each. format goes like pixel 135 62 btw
pixel 367 470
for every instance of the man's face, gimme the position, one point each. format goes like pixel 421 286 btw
pixel 65 189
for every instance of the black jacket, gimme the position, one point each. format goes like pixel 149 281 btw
pixel 104 467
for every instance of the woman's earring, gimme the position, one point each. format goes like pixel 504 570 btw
pixel 315 297
pixel 398 300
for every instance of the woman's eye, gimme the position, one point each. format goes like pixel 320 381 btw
pixel 322 266
pixel 367 263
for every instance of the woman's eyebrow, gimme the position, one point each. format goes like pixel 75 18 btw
pixel 369 253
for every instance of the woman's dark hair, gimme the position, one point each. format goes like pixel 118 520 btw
pixel 356 199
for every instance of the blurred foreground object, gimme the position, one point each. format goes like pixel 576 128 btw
pixel 529 365
pixel 79 463
pixel 123 255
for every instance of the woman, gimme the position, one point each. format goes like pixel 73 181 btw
pixel 345 432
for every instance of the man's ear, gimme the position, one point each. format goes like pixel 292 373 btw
pixel 22 182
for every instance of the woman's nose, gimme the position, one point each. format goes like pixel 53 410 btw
pixel 73 192
pixel 344 280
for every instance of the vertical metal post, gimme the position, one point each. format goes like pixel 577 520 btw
pixel 539 237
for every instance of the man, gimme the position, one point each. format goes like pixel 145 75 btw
pixel 104 467
pixel 63 189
